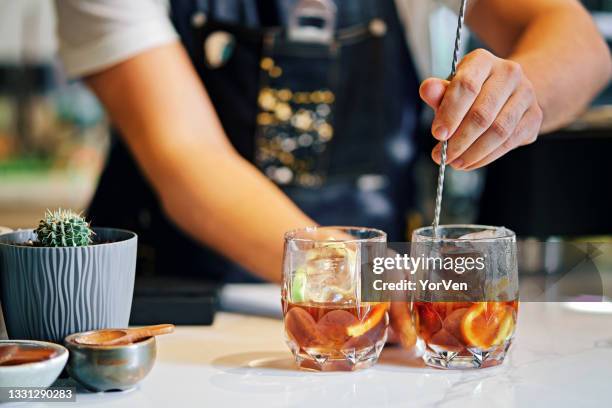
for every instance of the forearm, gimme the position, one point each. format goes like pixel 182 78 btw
pixel 223 201
pixel 206 188
pixel 566 60
pixel 235 212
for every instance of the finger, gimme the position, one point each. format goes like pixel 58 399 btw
pixel 502 128
pixel 494 94
pixel 461 94
pixel 432 91
pixel 435 153
pixel 526 133
pixel 401 323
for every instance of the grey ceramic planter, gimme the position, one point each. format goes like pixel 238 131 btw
pixel 49 293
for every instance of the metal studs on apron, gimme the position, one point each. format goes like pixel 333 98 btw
pixel 295 112
pixel 300 75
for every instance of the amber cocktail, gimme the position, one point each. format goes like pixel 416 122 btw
pixel 327 324
pixel 471 332
pixel 338 337
pixel 472 327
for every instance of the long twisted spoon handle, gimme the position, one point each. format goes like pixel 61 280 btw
pixel 440 189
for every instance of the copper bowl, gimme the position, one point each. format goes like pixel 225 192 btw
pixel 108 368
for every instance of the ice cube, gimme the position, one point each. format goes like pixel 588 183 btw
pixel 331 273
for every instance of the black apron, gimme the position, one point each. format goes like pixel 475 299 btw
pixel 332 124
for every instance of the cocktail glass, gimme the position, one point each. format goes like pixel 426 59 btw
pixel 471 326
pixel 327 325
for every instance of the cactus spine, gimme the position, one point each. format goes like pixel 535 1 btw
pixel 63 228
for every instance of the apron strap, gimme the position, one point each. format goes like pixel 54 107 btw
pixel 265 13
pixel 250 13
pixel 245 12
pixel 203 6
pixel 371 9
pixel 268 12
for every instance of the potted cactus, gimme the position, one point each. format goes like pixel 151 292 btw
pixel 65 277
pixel 63 228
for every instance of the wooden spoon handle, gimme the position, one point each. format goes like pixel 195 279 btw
pixel 148 331
pixel 133 335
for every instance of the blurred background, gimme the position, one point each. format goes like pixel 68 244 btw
pixel 53 135
pixel 54 138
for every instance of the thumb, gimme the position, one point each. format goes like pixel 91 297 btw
pixel 432 91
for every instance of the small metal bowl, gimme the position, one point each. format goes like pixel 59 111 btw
pixel 41 373
pixel 109 368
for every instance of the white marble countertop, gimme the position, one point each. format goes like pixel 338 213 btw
pixel 561 358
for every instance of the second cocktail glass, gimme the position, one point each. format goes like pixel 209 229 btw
pixel 471 326
pixel 327 325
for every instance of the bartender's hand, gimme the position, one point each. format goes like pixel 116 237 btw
pixel 487 110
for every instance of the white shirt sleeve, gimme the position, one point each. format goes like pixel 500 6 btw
pixel 96 34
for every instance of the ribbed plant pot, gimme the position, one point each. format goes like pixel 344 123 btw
pixel 49 293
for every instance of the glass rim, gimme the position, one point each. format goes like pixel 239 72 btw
pixel 291 235
pixel 508 235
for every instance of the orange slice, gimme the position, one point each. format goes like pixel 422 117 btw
pixel 445 308
pixel 486 324
pixel 452 322
pixel 506 328
pixel 373 318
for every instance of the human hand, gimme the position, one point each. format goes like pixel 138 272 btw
pixel 488 109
